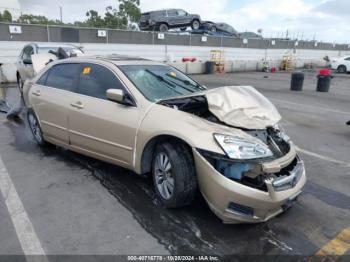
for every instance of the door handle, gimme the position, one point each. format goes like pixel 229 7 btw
pixel 78 105
pixel 36 93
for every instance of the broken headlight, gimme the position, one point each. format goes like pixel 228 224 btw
pixel 239 148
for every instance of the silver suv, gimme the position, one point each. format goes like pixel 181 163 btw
pixel 24 62
pixel 163 20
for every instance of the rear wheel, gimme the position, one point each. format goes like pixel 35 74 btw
pixel 195 24
pixel 342 69
pixel 35 128
pixel 163 27
pixel 174 175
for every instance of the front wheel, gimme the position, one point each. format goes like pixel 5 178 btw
pixel 195 24
pixel 174 175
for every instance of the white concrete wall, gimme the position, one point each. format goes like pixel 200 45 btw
pixel 238 59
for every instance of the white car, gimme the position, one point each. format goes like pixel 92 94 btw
pixel 342 64
pixel 24 62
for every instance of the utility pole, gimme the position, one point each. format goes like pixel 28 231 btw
pixel 61 14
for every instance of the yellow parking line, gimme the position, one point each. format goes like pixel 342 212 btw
pixel 337 246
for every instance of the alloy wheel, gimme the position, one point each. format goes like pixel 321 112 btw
pixel 34 126
pixel 163 175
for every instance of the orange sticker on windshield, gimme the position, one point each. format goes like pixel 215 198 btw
pixel 87 70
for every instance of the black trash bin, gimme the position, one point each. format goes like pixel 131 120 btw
pixel 323 83
pixel 297 81
pixel 209 67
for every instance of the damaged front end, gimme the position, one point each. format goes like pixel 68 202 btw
pixel 260 174
pixel 280 171
pixel 251 191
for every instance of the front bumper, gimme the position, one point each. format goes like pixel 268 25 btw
pixel 220 192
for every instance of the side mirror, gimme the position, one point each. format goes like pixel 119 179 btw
pixel 27 61
pixel 117 95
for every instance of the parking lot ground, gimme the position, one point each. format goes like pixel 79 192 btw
pixel 78 205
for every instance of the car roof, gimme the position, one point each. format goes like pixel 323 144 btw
pixel 116 59
pixel 161 10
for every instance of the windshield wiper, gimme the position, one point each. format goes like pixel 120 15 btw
pixel 160 78
pixel 186 82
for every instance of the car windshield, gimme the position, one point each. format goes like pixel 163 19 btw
pixel 72 50
pixel 157 82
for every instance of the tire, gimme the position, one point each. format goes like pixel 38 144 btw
pixel 20 83
pixel 35 128
pixel 174 175
pixel 342 69
pixel 195 24
pixel 163 27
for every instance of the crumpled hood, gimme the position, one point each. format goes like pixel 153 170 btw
pixel 242 106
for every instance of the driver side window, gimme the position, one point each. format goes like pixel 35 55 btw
pixel 95 80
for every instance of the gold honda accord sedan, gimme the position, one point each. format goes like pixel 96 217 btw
pixel 151 118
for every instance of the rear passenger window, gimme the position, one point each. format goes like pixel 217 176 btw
pixel 95 80
pixel 63 76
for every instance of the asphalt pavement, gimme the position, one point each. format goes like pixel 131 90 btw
pixel 78 205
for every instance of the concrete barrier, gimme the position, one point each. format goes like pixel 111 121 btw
pixel 195 68
pixel 8 73
pixel 237 59
pixel 2 79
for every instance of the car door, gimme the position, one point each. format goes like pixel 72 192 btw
pixel 25 63
pixel 97 126
pixel 50 97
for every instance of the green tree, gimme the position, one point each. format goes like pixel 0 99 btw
pixel 129 10
pixel 6 16
pixel 33 19
pixel 112 19
pixel 94 19
pixel 37 19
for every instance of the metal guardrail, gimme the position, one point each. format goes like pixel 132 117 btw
pixel 45 33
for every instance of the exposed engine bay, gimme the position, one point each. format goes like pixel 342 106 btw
pixel 246 172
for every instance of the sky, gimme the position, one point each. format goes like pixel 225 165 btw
pixel 324 20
